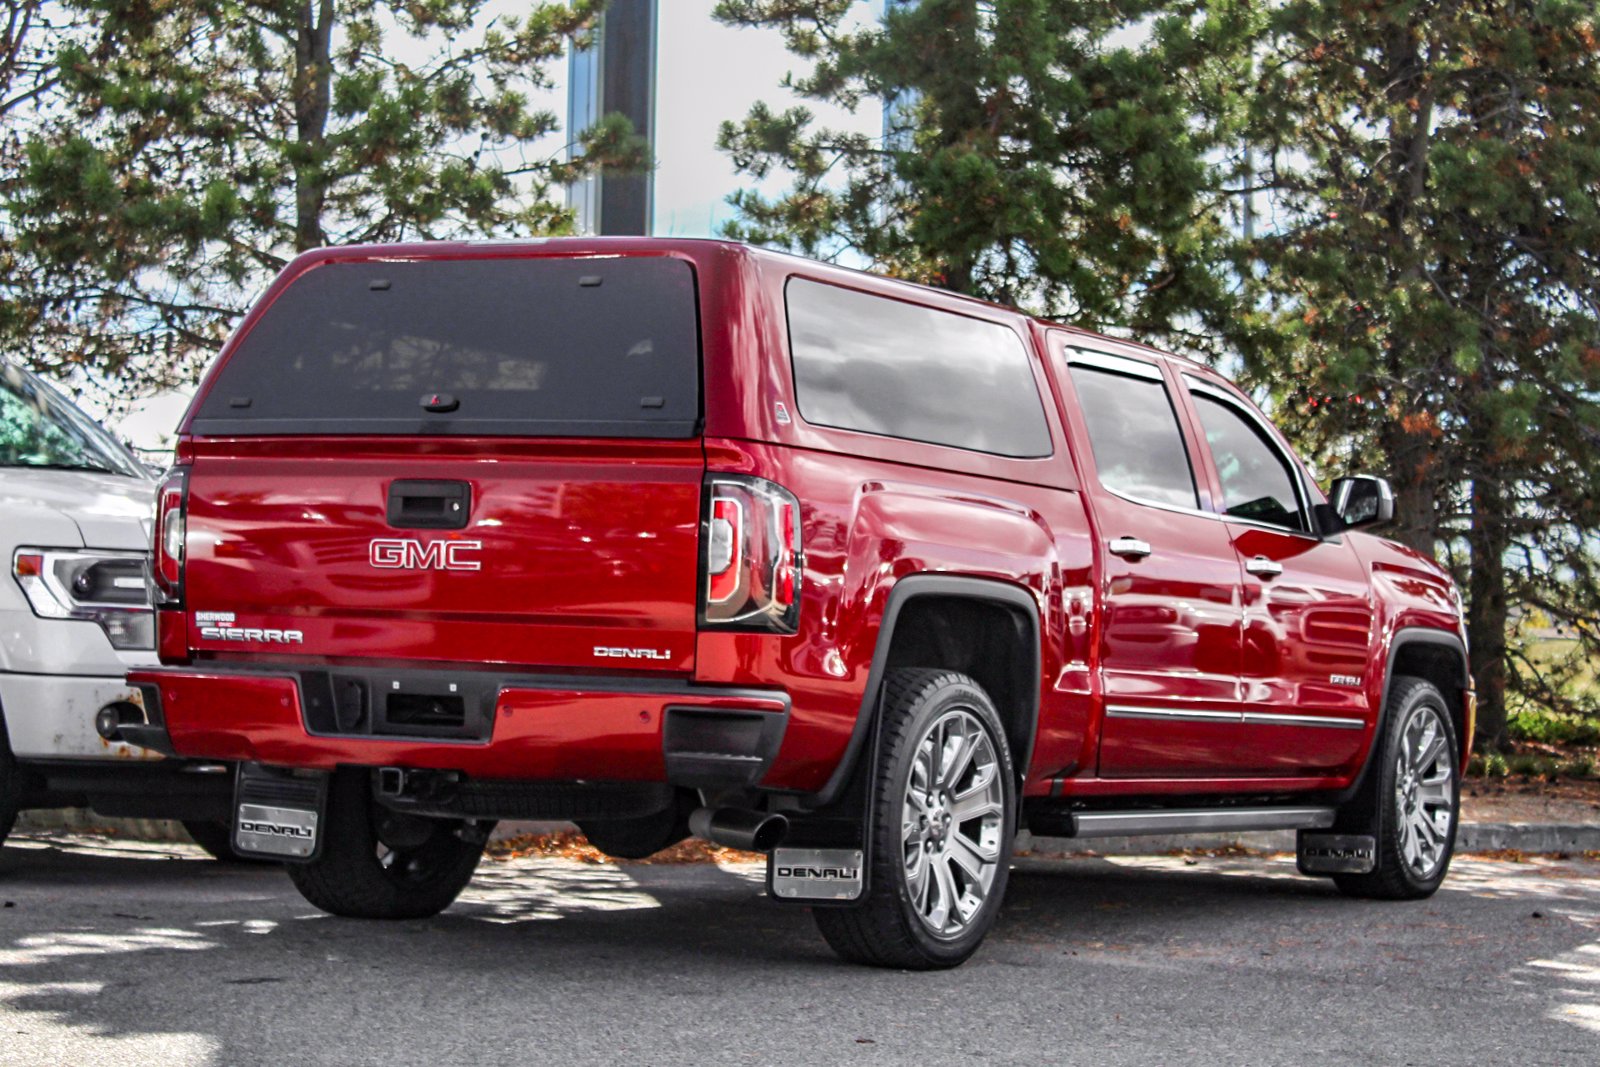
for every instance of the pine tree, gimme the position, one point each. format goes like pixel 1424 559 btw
pixel 1430 297
pixel 1045 153
pixel 191 147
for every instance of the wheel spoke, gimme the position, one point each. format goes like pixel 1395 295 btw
pixel 918 882
pixel 922 770
pixel 971 855
pixel 1432 746
pixel 953 764
pixel 1435 792
pixel 977 802
pixel 1409 847
pixel 946 884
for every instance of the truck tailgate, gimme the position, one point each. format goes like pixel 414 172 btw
pixel 571 553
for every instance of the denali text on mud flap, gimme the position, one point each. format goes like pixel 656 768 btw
pixel 824 874
pixel 274 831
pixel 409 554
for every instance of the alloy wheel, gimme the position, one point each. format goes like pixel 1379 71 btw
pixel 954 815
pixel 1424 791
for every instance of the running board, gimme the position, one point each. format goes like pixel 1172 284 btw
pixel 1197 821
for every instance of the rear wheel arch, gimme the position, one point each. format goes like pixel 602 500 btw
pixel 981 627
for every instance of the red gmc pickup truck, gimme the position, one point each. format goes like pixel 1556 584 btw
pixel 671 537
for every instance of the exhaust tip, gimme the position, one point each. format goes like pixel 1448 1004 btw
pixel 740 828
pixel 109 720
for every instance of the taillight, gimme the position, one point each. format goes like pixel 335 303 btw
pixel 167 552
pixel 751 556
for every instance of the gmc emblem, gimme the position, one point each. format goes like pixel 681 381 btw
pixel 408 554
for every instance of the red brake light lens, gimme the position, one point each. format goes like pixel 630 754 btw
pixel 752 556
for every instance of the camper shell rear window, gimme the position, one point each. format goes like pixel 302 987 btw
pixel 530 346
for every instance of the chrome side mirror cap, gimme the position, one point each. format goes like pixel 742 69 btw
pixel 1362 500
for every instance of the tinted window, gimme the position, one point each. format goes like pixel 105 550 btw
pixel 1138 448
pixel 1257 482
pixel 39 428
pixel 560 347
pixel 881 366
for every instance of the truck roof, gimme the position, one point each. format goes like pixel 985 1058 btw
pixel 613 245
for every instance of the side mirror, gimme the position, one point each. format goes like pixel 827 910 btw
pixel 1362 500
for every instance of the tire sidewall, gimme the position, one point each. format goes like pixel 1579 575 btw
pixel 934 701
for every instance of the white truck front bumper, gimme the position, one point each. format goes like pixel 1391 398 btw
pixel 51 716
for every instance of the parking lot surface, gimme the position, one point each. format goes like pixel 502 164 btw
pixel 117 953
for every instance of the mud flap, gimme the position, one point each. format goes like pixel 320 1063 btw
pixel 1319 853
pixel 278 814
pixel 825 859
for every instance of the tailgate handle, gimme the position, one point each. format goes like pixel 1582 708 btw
pixel 416 504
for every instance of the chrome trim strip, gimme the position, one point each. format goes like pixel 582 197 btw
pixel 1117 711
pixel 1260 718
pixel 1328 721
pixel 1134 823
pixel 1125 365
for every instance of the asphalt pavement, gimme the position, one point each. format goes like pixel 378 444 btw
pixel 129 953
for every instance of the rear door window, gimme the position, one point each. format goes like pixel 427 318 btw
pixel 1139 450
pixel 537 346
pixel 882 366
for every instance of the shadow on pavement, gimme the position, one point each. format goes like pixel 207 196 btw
pixel 157 954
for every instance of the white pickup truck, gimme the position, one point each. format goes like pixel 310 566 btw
pixel 75 514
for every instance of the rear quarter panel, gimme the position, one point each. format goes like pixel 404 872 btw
pixel 878 509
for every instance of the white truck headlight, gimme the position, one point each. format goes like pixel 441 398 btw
pixel 107 588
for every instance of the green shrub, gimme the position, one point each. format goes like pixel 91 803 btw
pixel 1552 728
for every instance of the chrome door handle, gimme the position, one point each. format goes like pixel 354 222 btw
pixel 1264 567
pixel 1130 548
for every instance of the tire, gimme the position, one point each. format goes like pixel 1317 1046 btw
pixel 10 786
pixel 1412 788
pixel 216 838
pixel 379 865
pixel 907 919
pixel 642 837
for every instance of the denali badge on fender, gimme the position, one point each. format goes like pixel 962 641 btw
pixel 815 873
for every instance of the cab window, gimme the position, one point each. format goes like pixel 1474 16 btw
pixel 1258 481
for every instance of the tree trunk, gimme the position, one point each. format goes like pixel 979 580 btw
pixel 1411 471
pixel 1487 613
pixel 313 85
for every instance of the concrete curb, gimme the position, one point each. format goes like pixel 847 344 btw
pixel 1472 837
